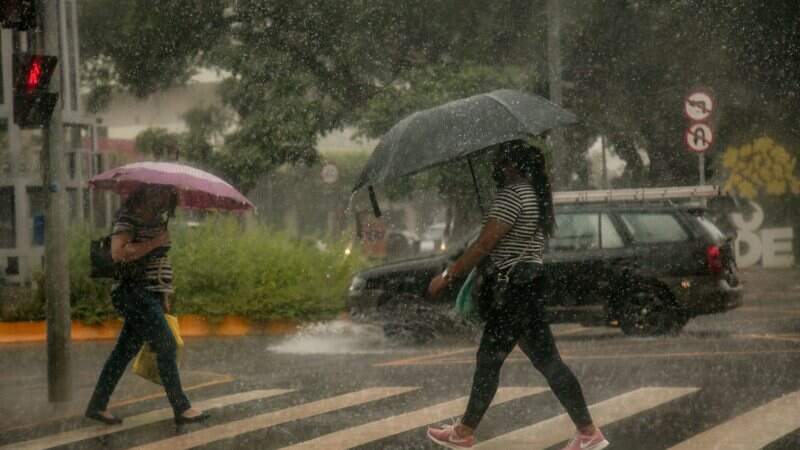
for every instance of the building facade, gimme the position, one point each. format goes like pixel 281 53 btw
pixel 22 200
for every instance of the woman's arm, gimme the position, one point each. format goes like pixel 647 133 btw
pixel 124 250
pixel 491 234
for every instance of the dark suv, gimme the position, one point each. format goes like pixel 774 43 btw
pixel 648 268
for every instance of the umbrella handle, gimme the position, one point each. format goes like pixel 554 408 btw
pixel 475 183
pixel 376 209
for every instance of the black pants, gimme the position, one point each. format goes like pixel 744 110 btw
pixel 144 322
pixel 521 320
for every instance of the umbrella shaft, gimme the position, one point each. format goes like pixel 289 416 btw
pixel 475 183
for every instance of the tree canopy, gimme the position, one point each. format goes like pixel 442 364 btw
pixel 300 69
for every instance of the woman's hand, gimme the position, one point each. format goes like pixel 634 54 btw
pixel 492 232
pixel 123 249
pixel 162 240
pixel 437 286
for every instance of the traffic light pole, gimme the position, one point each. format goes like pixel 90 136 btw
pixel 59 328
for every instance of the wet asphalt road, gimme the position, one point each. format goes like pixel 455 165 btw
pixel 729 376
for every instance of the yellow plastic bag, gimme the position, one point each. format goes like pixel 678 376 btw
pixel 145 364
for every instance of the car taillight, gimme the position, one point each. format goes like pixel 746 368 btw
pixel 714 259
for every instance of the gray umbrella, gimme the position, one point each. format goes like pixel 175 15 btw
pixel 457 130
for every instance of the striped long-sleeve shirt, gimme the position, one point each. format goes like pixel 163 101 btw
pixel 157 274
pixel 518 206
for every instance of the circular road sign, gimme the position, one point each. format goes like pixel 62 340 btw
pixel 699 137
pixel 330 173
pixel 698 105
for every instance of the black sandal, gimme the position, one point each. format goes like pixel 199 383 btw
pixel 95 415
pixel 183 420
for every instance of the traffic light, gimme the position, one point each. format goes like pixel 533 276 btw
pixel 18 14
pixel 33 104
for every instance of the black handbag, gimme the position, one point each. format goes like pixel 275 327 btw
pixel 492 284
pixel 102 265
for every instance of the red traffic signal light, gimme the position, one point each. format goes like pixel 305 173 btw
pixel 18 14
pixel 32 72
pixel 33 104
pixel 34 77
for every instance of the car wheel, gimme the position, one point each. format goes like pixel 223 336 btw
pixel 408 334
pixel 651 312
pixel 411 320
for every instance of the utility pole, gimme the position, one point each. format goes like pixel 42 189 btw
pixel 554 50
pixel 605 163
pixel 559 168
pixel 59 328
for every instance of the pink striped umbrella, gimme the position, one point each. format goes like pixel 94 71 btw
pixel 196 188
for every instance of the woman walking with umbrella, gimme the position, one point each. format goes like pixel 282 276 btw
pixel 509 252
pixel 140 242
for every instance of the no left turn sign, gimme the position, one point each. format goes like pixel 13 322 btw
pixel 698 105
pixel 699 137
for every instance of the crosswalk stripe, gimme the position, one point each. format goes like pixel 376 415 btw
pixel 391 426
pixel 236 428
pixel 752 430
pixel 139 420
pixel 558 429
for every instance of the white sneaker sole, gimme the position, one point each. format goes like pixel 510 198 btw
pixel 451 445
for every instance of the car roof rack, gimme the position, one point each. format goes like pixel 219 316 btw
pixel 665 194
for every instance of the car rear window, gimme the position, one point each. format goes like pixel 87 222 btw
pixel 654 228
pixel 610 235
pixel 712 229
pixel 582 231
pixel 575 232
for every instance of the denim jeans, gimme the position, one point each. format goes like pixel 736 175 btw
pixel 143 313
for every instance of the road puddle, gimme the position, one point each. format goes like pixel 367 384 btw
pixel 335 337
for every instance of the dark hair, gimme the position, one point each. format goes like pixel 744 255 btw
pixel 530 162
pixel 141 195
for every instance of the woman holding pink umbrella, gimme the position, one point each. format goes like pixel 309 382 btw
pixel 139 245
pixel 140 242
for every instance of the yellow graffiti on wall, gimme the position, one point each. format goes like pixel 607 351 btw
pixel 762 167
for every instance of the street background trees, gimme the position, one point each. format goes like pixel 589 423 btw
pixel 296 70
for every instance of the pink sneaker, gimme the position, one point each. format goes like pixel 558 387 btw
pixel 447 437
pixel 595 441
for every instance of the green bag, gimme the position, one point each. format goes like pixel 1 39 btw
pixel 465 305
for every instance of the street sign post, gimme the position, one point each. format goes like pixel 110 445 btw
pixel 699 137
pixel 698 107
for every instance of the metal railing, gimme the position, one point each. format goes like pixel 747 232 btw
pixel 639 194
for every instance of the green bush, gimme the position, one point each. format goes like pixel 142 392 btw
pixel 90 298
pixel 17 304
pixel 222 269
pixel 257 273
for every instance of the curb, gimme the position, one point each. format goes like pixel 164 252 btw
pixel 191 326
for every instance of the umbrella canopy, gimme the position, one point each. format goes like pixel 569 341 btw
pixel 458 129
pixel 196 188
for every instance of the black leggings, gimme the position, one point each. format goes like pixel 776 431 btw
pixel 521 320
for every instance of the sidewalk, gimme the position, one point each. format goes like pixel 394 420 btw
pixel 23 384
